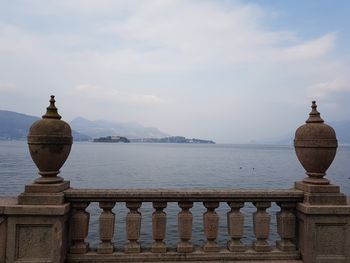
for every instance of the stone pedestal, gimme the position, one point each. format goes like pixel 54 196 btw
pixel 323 224
pixel 36 233
pixel 324 233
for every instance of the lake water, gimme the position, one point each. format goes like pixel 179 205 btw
pixel 101 165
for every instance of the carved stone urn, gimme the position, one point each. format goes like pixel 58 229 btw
pixel 315 146
pixel 50 140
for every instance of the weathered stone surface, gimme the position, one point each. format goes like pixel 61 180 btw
pixel 312 188
pixel 50 140
pixel 286 227
pixel 41 198
pixel 315 146
pixel 47 188
pixel 197 256
pixel 106 227
pixel 261 227
pixel 235 222
pixel 179 195
pixel 133 226
pixel 33 237
pixel 79 228
pixel 211 227
pixel 159 227
pixel 185 220
pixel 3 234
pixel 324 233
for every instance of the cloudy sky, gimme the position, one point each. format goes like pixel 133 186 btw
pixel 231 71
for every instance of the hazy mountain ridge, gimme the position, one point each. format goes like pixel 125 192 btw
pixel 102 128
pixel 342 130
pixel 15 126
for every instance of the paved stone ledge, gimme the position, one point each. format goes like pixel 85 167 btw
pixel 197 256
pixel 176 195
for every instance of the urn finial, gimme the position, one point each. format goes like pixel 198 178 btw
pixel 315 146
pixel 51 110
pixel 314 115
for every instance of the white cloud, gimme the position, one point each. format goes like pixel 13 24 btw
pixel 310 49
pixel 339 84
pixel 106 94
pixel 205 61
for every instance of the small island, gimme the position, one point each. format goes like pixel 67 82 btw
pixel 172 139
pixel 112 139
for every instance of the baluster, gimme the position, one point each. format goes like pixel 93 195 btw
pixel 159 227
pixel 286 227
pixel 79 228
pixel 261 224
pixel 235 222
pixel 133 226
pixel 211 227
pixel 107 221
pixel 185 219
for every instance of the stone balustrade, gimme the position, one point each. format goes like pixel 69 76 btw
pixel 233 200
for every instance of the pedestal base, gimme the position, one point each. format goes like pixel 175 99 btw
pixel 43 194
pixel 321 194
pixel 211 246
pixel 185 247
pixel 261 246
pixel 236 246
pixel 133 247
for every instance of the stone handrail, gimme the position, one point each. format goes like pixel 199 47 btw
pixel 211 199
pixel 175 195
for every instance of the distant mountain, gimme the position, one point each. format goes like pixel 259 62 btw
pixel 102 128
pixel 15 126
pixel 342 130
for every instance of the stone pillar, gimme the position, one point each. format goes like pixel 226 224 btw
pixel 37 226
pixel 261 225
pixel 79 228
pixel 185 220
pixel 106 226
pixel 211 227
pixel 235 223
pixel 133 226
pixel 159 227
pixel 324 216
pixel 286 226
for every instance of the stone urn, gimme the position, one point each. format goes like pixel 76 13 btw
pixel 315 146
pixel 50 140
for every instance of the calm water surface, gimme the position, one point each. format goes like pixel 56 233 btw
pixel 99 165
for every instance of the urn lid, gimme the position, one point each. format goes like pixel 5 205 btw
pixel 50 125
pixel 314 115
pixel 51 110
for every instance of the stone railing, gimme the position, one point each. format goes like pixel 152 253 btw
pixel 235 199
pixel 49 222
